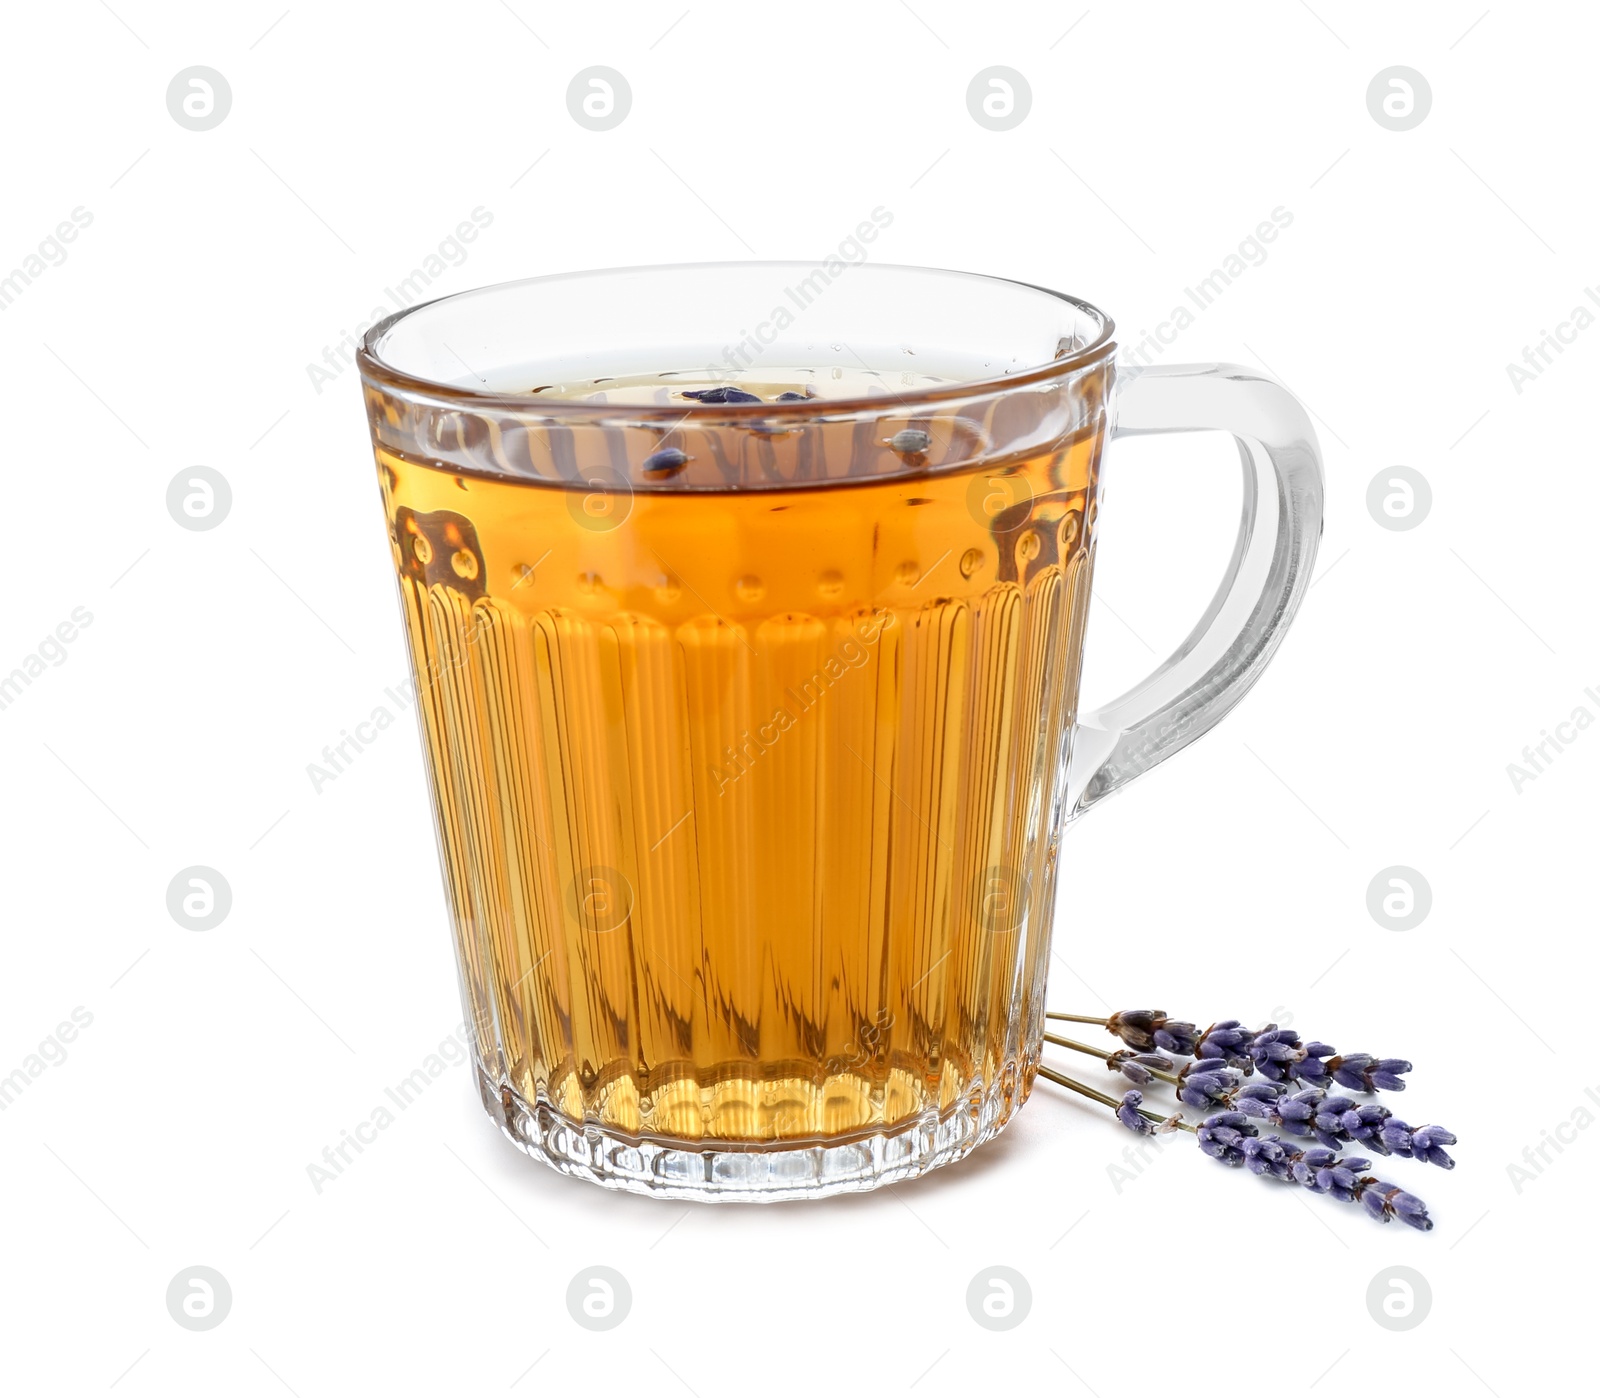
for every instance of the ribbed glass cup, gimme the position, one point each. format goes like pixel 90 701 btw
pixel 747 724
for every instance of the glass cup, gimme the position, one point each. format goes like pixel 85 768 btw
pixel 746 608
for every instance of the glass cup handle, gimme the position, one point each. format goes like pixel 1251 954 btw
pixel 1266 578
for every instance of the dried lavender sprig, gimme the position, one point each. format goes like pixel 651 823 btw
pixel 1279 1054
pixel 1232 1138
pixel 1336 1121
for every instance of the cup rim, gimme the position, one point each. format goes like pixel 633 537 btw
pixel 374 370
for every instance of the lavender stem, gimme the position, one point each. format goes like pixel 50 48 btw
pixel 1085 1090
pixel 1109 1059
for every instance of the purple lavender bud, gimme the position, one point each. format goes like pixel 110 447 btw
pixel 1410 1209
pixel 1135 1067
pixel 1147 1029
pixel 910 441
pixel 1268 1155
pixel 1364 1123
pixel 1136 1028
pixel 1222 1136
pixel 1312 1069
pixel 1328 1123
pixel 1342 1178
pixel 1310 1163
pixel 1298 1111
pixel 1276 1053
pixel 1228 1040
pixel 1361 1072
pixel 1396 1137
pixel 1207 1082
pixel 1347 1070
pixel 1386 1074
pixel 1322 1171
pixel 1273 1035
pixel 1425 1143
pixel 1176 1036
pixel 1385 1201
pixel 723 394
pixel 666 462
pixel 1128 1114
pixel 1260 1100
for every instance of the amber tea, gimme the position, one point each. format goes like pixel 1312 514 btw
pixel 739 793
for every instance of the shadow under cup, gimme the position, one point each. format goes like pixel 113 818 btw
pixel 747 722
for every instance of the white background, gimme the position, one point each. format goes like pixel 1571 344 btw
pixel 1233 882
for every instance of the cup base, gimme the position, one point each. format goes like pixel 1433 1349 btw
pixel 724 1172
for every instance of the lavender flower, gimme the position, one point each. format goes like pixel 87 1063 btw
pixel 1361 1072
pixel 1151 1029
pixel 1296 1112
pixel 1424 1143
pixel 1322 1171
pixel 1208 1082
pixel 1335 1121
pixel 1358 1121
pixel 1386 1201
pixel 1267 1155
pixel 1128 1114
pixel 1262 1100
pixel 1135 1067
pixel 1231 1137
pixel 1312 1068
pixel 910 441
pixel 1228 1040
pixel 1222 1136
pixel 666 462
pixel 1310 1112
pixel 1279 1054
pixel 1275 1052
pixel 723 394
